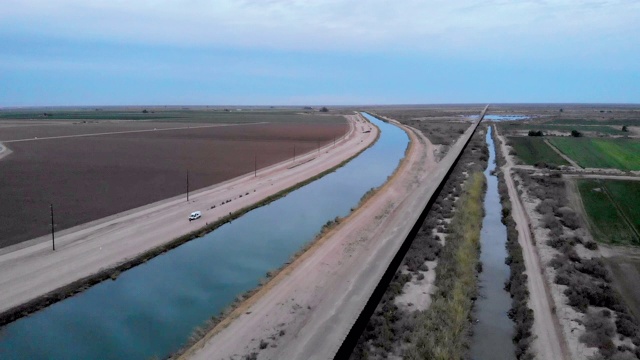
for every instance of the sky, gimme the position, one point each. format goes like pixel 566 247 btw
pixel 332 52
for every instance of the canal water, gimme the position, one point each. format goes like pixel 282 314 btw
pixel 151 310
pixel 494 330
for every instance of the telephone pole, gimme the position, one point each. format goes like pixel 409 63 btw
pixel 255 165
pixel 53 235
pixel 187 185
pixel 294 153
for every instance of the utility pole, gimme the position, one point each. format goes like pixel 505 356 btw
pixel 53 236
pixel 294 153
pixel 318 145
pixel 255 165
pixel 334 141
pixel 187 185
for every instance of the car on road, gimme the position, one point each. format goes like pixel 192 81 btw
pixel 195 215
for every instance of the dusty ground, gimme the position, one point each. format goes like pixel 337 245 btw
pixel 308 309
pixel 31 269
pixel 89 171
pixel 549 342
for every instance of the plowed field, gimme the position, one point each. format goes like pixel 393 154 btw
pixel 130 165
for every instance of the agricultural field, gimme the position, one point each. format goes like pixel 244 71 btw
pixel 601 153
pixel 632 121
pixel 163 114
pixel 523 127
pixel 93 169
pixel 532 150
pixel 612 209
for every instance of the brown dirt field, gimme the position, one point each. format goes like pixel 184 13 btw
pixel 87 178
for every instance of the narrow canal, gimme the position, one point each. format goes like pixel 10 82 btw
pixel 152 309
pixel 493 332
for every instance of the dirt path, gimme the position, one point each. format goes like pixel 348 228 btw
pixel 549 342
pixel 603 177
pixel 31 269
pixel 562 155
pixel 308 309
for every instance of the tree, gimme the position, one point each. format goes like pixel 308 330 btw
pixel 536 133
pixel 145 111
pixel 624 128
pixel 576 133
pixel 324 109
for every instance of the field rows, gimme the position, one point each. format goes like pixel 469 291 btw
pixel 609 205
pixel 601 153
pixel 532 150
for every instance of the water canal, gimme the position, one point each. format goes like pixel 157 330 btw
pixel 152 309
pixel 493 331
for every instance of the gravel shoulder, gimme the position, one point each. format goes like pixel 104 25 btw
pixel 31 269
pixel 307 310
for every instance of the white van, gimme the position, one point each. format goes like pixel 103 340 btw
pixel 195 215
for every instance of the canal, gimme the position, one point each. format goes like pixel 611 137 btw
pixel 493 331
pixel 152 309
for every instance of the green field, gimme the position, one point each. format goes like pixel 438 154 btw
pixel 607 222
pixel 620 154
pixel 603 129
pixel 627 195
pixel 533 149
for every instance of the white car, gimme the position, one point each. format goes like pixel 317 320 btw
pixel 195 215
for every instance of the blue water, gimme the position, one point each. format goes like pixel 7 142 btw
pixel 505 117
pixel 493 332
pixel 152 309
pixel 496 117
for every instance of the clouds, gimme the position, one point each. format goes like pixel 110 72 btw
pixel 332 25
pixel 259 51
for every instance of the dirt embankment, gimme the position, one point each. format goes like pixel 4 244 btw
pixel 31 270
pixel 308 309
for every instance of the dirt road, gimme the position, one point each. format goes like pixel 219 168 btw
pixel 31 269
pixel 549 342
pixel 308 309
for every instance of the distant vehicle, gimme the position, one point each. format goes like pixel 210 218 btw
pixel 195 215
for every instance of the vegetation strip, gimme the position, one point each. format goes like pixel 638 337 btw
pixel 443 330
pixel 83 284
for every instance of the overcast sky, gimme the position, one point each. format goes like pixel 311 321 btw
pixel 291 52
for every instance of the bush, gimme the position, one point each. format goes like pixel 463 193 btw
pixel 626 326
pixel 591 245
pixel 535 133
